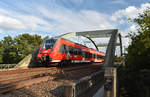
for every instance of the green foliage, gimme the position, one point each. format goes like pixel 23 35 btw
pixel 1 52
pixel 12 50
pixel 135 79
pixel 139 49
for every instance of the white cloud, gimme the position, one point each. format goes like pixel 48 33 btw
pixel 133 27
pixel 144 6
pixel 123 15
pixel 34 23
pixel 66 21
pixel 3 11
pixel 8 23
pixel 129 12
pixel 16 21
pixel 1 31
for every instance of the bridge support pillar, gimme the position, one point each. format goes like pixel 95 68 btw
pixel 110 82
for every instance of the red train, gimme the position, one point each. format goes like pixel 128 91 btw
pixel 63 51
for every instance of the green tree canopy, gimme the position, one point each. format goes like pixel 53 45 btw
pixel 12 50
pixel 1 52
pixel 135 76
pixel 139 49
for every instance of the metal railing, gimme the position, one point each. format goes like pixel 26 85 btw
pixel 7 66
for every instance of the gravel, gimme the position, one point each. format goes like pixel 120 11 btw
pixel 44 89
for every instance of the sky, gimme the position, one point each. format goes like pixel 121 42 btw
pixel 55 17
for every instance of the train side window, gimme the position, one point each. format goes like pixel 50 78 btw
pixel 86 55
pixel 70 49
pixel 93 55
pixel 97 56
pixel 73 50
pixel 80 52
pixel 102 57
pixel 77 51
pixel 90 55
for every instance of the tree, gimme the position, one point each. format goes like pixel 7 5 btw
pixel 136 78
pixel 8 50
pixel 1 53
pixel 14 50
pixel 26 44
pixel 140 46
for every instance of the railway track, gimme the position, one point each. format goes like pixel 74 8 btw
pixel 16 79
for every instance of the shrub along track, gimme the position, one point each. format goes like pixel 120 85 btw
pixel 19 78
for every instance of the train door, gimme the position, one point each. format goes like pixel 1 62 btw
pixel 83 54
pixel 67 51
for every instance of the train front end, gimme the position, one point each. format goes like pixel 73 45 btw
pixel 44 55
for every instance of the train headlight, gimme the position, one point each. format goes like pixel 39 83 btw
pixel 45 51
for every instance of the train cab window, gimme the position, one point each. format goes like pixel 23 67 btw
pixel 48 44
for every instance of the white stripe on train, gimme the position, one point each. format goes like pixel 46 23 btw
pixel 76 61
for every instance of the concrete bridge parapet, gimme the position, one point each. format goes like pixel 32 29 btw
pixel 86 86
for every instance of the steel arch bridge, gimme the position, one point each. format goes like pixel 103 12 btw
pixel 111 46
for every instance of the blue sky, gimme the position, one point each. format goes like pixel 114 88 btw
pixel 54 17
